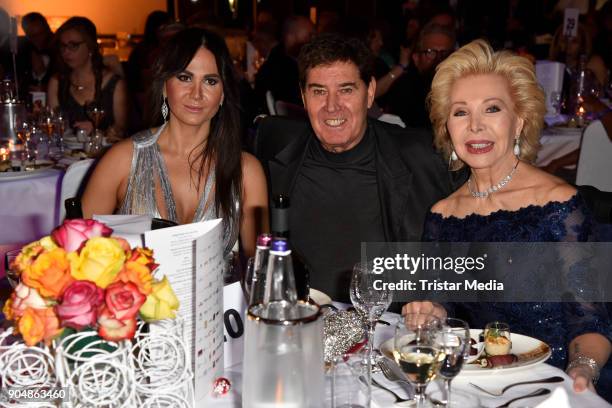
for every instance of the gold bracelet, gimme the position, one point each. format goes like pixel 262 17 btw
pixel 586 361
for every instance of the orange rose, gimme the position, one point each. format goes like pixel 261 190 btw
pixel 138 274
pixel 7 310
pixel 37 325
pixel 49 273
pixel 144 256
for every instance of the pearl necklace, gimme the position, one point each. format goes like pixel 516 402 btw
pixel 494 188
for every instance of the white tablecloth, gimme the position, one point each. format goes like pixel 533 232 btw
pixel 557 142
pixel 494 380
pixel 29 207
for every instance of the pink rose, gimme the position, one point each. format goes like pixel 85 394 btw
pixel 112 329
pixel 72 233
pixel 123 300
pixel 24 297
pixel 80 303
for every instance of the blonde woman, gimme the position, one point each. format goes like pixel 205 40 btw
pixel 486 111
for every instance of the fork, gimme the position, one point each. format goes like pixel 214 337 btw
pixel 549 380
pixel 389 373
pixel 398 399
pixel 537 393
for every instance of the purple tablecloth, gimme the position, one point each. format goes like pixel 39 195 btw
pixel 29 207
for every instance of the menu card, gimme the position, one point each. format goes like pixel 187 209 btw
pixel 191 257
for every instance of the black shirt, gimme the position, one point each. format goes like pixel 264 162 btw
pixel 334 207
pixel 406 98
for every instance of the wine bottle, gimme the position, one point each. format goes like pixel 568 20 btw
pixel 73 208
pixel 279 221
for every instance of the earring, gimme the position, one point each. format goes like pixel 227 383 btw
pixel 517 148
pixel 453 157
pixel 164 110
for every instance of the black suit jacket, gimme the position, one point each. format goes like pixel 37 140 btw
pixel 411 176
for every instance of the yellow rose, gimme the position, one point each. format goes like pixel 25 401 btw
pixel 161 303
pixel 47 243
pixel 100 261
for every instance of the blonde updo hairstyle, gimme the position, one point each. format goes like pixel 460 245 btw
pixel 478 58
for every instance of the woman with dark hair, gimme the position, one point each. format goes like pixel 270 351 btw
pixel 191 167
pixel 83 78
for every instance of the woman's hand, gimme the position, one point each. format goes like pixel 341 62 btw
pixel 435 309
pixel 86 125
pixel 582 376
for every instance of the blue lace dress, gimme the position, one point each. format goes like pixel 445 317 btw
pixel 555 323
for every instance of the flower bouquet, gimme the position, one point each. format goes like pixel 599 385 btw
pixel 80 306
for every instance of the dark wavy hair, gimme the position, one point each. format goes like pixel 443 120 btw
pixel 223 145
pixel 87 29
pixel 325 49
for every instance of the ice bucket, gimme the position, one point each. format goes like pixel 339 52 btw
pixel 10 113
pixel 283 356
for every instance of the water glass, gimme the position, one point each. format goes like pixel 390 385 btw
pixel 11 275
pixel 349 385
pixel 369 302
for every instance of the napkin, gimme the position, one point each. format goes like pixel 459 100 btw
pixel 558 399
pixel 128 227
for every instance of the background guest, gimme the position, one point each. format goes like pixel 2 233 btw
pixel 139 65
pixel 83 78
pixel 40 42
pixel 406 98
pixel 279 73
pixel 190 169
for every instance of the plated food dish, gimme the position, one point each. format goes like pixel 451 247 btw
pixel 525 352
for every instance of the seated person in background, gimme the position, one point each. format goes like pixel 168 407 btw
pixel 191 168
pixel 406 97
pixel 349 179
pixel 279 72
pixel 487 112
pixel 82 79
pixel 39 50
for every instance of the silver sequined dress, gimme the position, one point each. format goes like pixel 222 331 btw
pixel 147 164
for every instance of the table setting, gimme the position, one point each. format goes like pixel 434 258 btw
pixel 416 360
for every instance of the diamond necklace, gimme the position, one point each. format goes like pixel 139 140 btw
pixel 494 188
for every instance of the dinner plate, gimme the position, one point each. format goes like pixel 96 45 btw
pixel 530 352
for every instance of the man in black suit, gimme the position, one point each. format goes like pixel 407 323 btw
pixel 350 179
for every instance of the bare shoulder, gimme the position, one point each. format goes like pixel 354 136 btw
pixel 548 188
pixel 250 163
pixel 119 157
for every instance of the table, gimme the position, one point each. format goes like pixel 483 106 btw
pixel 492 379
pixel 30 207
pixel 557 142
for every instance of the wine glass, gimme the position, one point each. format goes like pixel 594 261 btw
pixel 46 121
pixel 555 101
pixel 416 352
pixel 370 303
pixel 60 125
pixel 23 129
pixel 95 112
pixel 454 341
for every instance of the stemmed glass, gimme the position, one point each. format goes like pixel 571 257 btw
pixel 96 113
pixel 555 101
pixel 23 129
pixel 369 302
pixel 416 352
pixel 46 120
pixel 454 341
pixel 60 124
